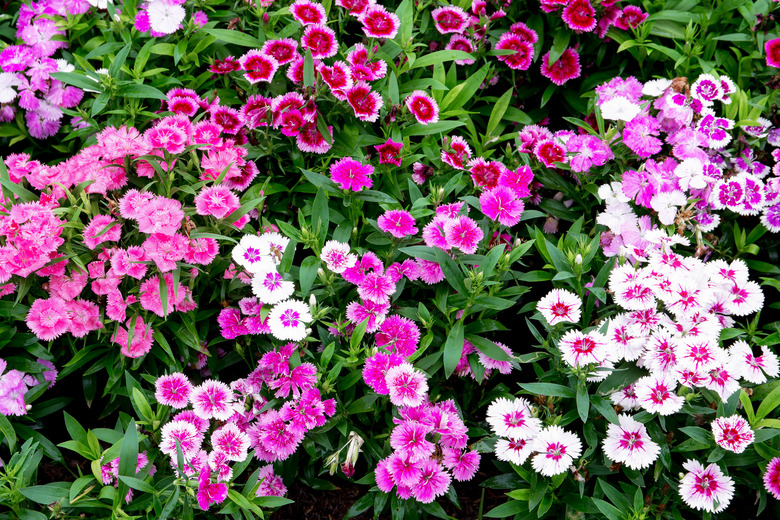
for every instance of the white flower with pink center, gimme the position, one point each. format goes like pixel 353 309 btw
pixel 655 394
pixel 253 254
pixel 288 320
pixel 732 433
pixel 556 450
pixel 750 367
pixel 185 433
pixel 560 305
pixel 270 288
pixel 706 488
pixel 629 443
pixel 513 419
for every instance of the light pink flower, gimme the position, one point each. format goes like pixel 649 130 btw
pixel 212 400
pixel 397 222
pixel 173 390
pixel 407 386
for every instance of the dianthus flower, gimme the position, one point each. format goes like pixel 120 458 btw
pixel 389 152
pixel 141 341
pixel 450 19
pixel 423 107
pixel 706 488
pixel 567 67
pixel 173 390
pixel 101 228
pixel 407 386
pixel 398 223
pixel 463 233
pixel 512 419
pixel 629 443
pixel 556 449
pixel 560 305
pixel 501 204
pixel 732 433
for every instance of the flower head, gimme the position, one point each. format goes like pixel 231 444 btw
pixel 629 443
pixel 706 488
pixel 560 305
pixel 556 449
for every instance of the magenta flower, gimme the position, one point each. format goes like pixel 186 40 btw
pixel 376 288
pixel 463 233
pixel 350 174
pixel 364 101
pixel 524 51
pixel 450 19
pixel 579 15
pixel 403 470
pixel 258 66
pixel 423 107
pixel 140 343
pixel 772 48
pixel 430 271
pixel 376 367
pixel 772 477
pixel 434 482
pixel 210 493
pixel 398 334
pixel 390 152
pixel 374 312
pixel 463 464
pixel 397 222
pixel 308 13
pixel 501 204
pixel 283 51
pixel 173 390
pixel 101 228
pixel 378 22
pixel 408 439
pixel 567 67
pixel 321 40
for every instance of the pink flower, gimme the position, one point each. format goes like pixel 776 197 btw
pixel 160 215
pixel 270 483
pixel 308 13
pixel 389 152
pixel 460 43
pixel 84 317
pixel 48 319
pixel 151 299
pixel 367 310
pixel 398 334
pixel 337 257
pixel 169 137
pixel 772 477
pixel 321 40
pixel 450 19
pixel 560 305
pixel 173 390
pixel 706 488
pixel 217 201
pixel 311 140
pixel 350 174
pixel 579 15
pixel 732 433
pixel 229 119
pixel 398 223
pixel 376 367
pixel 463 465
pixel 376 288
pixel 407 386
pixel 364 101
pixel 567 67
pixel 212 400
pixel 141 341
pixel 403 471
pixel 463 233
pixel 101 228
pixel 772 48
pixel 430 272
pixel 408 439
pixel 423 107
pixel 201 251
pixel 283 51
pixel 501 204
pixel 434 482
pixel 378 22
pixel 185 432
pixel 524 51
pixel 258 66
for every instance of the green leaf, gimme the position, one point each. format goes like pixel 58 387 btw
pixel 135 90
pixel 46 494
pixel 142 405
pixel 357 335
pixel 128 455
pixel 431 129
pixel 452 272
pixel 308 69
pixel 769 403
pixel 607 509
pixel 441 57
pixel 392 88
pixel 583 403
pixel 77 80
pixel 499 109
pixel 308 273
pixel 507 509
pixel 461 93
pixel 137 483
pixel 560 43
pixel 453 348
pixel 234 37
pixel 550 389
pixel 116 65
pixel 8 431
pixel 489 348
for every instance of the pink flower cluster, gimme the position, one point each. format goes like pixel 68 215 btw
pixel 239 422
pixel 142 240
pixel 14 384
pixel 414 469
pixel 26 68
pixel 581 16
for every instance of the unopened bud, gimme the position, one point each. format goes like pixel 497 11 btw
pixel 578 259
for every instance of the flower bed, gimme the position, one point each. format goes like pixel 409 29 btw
pixel 401 247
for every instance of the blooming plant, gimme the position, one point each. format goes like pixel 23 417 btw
pixel 492 259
